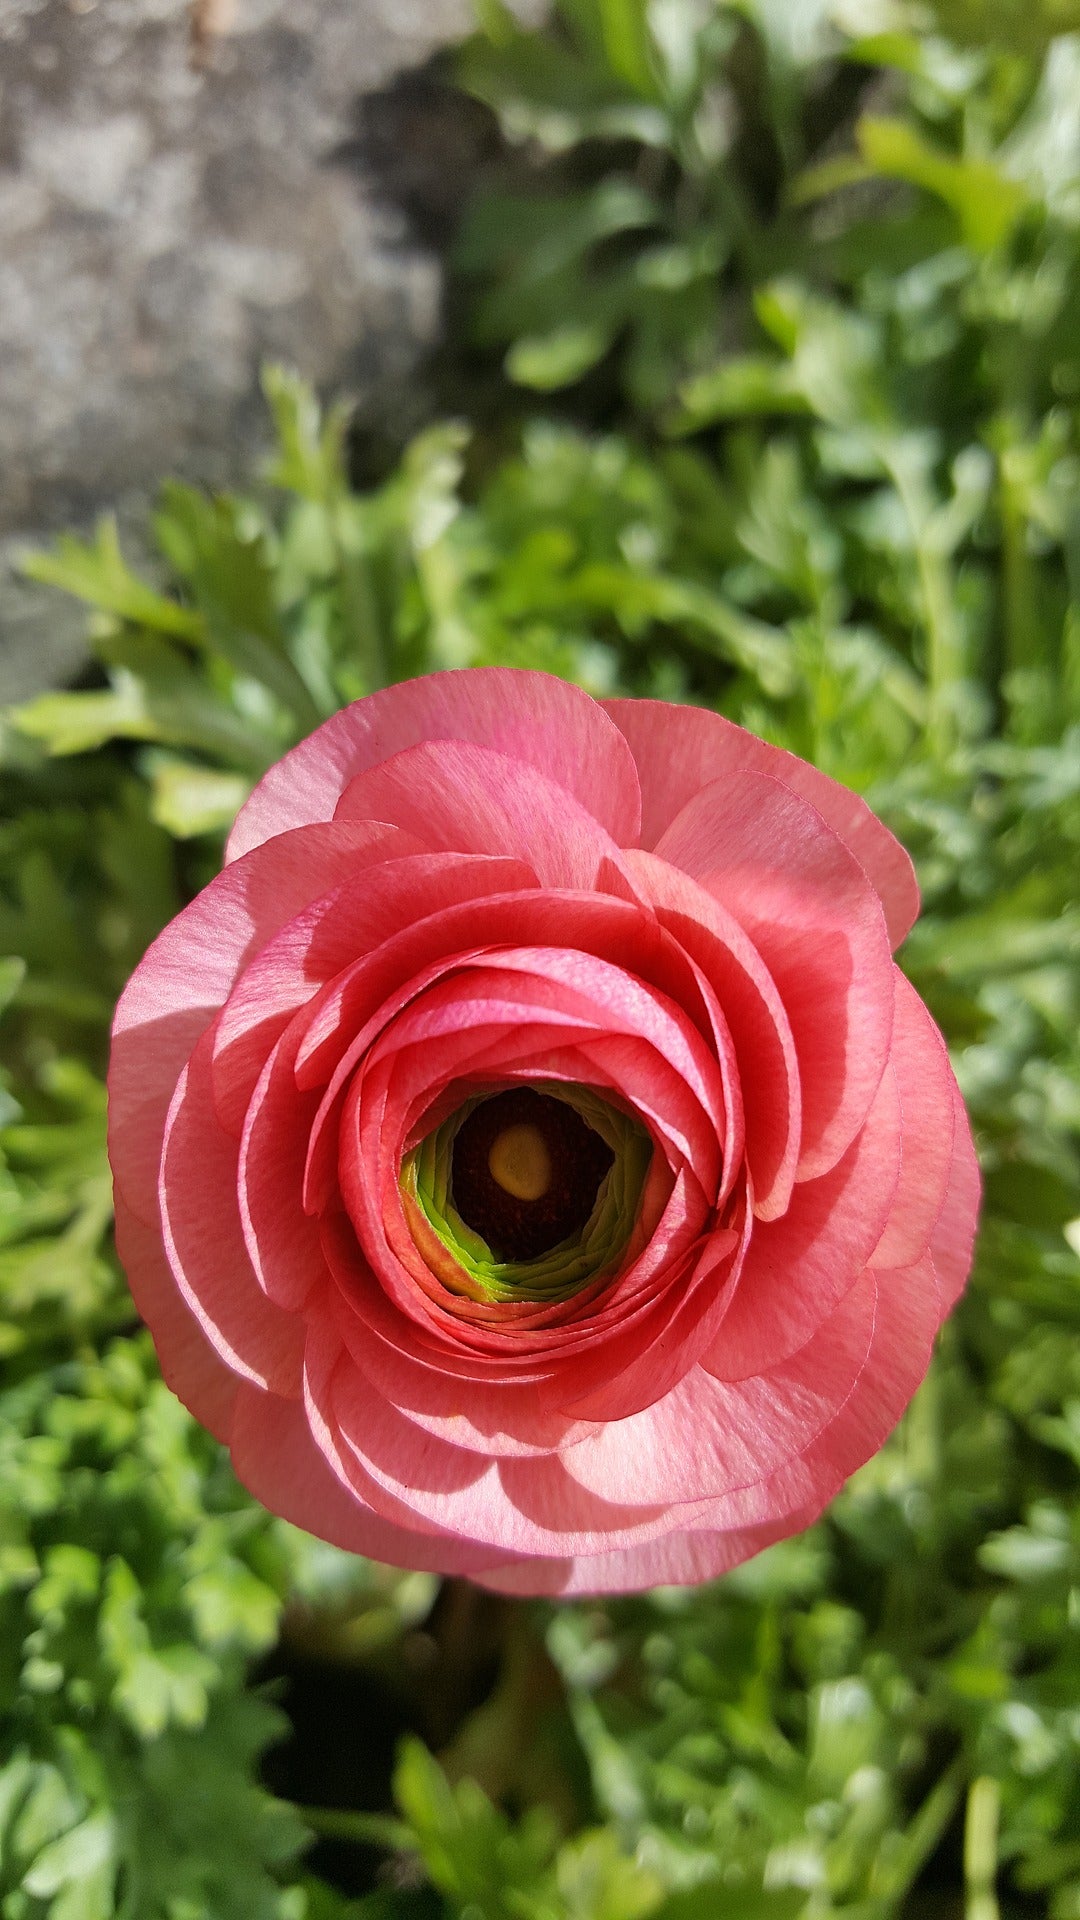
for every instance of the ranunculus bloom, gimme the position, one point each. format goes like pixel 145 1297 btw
pixel 528 1158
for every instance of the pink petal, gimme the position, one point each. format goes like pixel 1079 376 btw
pixel 530 717
pixel 355 924
pixel 417 1345
pixel 678 1559
pixel 602 1325
pixel 798 1268
pixel 281 1239
pixel 200 1222
pixel 619 1003
pixel 709 1437
pixel 754 1013
pixel 806 904
pixel 185 976
pixel 459 798
pixel 907 1316
pixel 372 1129
pixel 523 1505
pixel 953 1237
pixel 925 1084
pixel 489 1019
pixel 718 1535
pixel 527 1346
pixel 350 1014
pixel 657 1343
pixel 433 944
pixel 275 1455
pixel 190 1365
pixel 414 1479
pixel 486 1416
pixel 679 750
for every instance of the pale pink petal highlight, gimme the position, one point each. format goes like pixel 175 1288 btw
pixel 810 911
pixel 679 750
pixel 205 1245
pixel 459 798
pixel 800 1266
pixel 190 1365
pixel 532 718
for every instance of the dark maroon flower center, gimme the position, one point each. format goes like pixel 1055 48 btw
pixel 526 1170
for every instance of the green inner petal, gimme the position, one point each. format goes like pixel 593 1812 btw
pixel 426 1177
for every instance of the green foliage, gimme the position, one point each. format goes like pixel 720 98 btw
pixel 131 1594
pixel 807 287
pixel 630 260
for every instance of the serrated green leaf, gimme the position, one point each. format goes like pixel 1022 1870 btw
pixel 95 571
pixel 986 202
pixel 310 458
pixel 220 553
pixel 78 1855
pixel 81 722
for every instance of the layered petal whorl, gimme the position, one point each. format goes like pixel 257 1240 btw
pixel 528 1157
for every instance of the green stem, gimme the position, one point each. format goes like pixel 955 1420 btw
pixel 362 1829
pixel 1021 632
pixel 981 1850
pixel 360 612
pixel 923 1835
pixel 945 664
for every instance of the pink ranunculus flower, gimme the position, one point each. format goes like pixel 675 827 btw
pixel 528 1158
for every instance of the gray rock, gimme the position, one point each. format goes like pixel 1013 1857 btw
pixel 179 200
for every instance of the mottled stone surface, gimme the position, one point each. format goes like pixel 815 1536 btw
pixel 172 212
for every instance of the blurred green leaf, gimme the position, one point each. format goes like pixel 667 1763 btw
pixel 987 204
pixel 190 799
pixel 556 359
pixel 95 571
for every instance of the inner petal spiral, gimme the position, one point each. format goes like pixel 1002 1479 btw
pixel 534 1191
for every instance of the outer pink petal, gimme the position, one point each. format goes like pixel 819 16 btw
pixel 925 1084
pixel 719 1537
pixel 275 1455
pixel 776 866
pixel 908 1314
pixel 530 717
pixel 798 1268
pixel 190 1365
pixel 679 750
pixel 514 1506
pixel 200 1222
pixel 953 1237
pixel 460 798
pixel 679 1559
pixel 710 1437
pixel 185 976
pixel 485 1416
